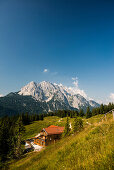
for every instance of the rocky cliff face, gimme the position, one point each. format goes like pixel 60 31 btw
pixel 54 93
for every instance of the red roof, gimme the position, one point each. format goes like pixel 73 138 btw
pixel 54 130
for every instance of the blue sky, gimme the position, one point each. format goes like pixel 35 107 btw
pixel 69 38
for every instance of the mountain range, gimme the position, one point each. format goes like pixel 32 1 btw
pixel 43 97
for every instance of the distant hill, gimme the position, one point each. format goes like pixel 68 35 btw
pixel 42 98
pixel 14 103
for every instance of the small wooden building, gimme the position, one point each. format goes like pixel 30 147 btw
pixel 49 135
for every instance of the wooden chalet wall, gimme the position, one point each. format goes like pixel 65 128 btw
pixel 45 139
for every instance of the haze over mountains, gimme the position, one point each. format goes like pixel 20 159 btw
pixel 44 97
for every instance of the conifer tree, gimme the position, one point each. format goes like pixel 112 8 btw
pixel 78 124
pixel 4 140
pixel 88 113
pixel 19 130
pixel 41 117
pixel 81 113
pixel 101 109
pixel 75 127
pixel 70 114
pixel 67 128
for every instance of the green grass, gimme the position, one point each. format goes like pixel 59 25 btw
pixel 90 149
pixel 34 128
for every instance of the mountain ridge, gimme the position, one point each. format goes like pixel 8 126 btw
pixel 45 91
pixel 43 97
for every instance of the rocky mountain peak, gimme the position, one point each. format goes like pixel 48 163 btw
pixel 49 92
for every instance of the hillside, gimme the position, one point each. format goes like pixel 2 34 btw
pixel 92 148
pixel 14 103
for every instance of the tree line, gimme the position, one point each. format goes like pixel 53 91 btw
pixel 11 138
pixel 12 127
pixel 99 110
pixel 29 118
pixel 80 113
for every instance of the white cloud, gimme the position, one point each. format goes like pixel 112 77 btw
pixel 100 101
pixel 76 89
pixel 51 73
pixel 111 97
pixel 45 70
pixel 1 95
pixel 74 78
pixel 75 81
pixel 108 99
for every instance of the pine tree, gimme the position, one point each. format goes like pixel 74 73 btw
pixel 41 117
pixel 81 113
pixel 75 127
pixel 19 130
pixel 4 139
pixel 70 114
pixel 78 124
pixel 101 109
pixel 88 113
pixel 67 128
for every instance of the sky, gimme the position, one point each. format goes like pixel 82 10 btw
pixel 61 41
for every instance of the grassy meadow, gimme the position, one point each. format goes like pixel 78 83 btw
pixel 91 149
pixel 35 127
